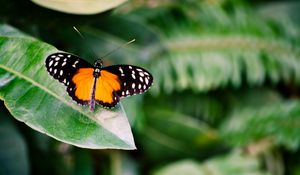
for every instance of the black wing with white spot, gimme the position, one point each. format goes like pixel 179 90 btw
pixel 63 66
pixel 134 80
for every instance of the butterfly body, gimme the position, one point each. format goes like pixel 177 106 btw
pixel 94 84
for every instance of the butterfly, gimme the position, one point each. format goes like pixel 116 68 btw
pixel 94 84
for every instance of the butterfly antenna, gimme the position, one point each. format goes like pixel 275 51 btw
pixel 109 53
pixel 82 37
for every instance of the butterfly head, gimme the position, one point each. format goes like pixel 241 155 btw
pixel 97 68
pixel 98 64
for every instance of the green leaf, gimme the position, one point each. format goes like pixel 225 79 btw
pixel 79 6
pixel 233 163
pixel 35 98
pixel 221 48
pixel 277 121
pixel 206 63
pixel 285 10
pixel 188 167
pixel 205 107
pixel 13 149
pixel 164 132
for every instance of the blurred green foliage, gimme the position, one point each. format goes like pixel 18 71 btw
pixel 225 98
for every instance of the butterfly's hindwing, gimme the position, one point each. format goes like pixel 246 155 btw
pixel 63 67
pixel 116 100
pixel 134 80
pixel 107 86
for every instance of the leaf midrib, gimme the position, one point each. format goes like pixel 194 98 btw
pixel 18 74
pixel 36 83
pixel 232 42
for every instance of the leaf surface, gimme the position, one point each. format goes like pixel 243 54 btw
pixel 79 6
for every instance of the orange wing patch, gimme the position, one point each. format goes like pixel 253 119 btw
pixel 83 81
pixel 106 85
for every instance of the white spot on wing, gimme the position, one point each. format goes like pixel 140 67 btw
pixel 144 86
pixel 55 70
pixel 61 72
pixel 140 70
pixel 57 58
pixel 69 56
pixel 60 55
pixel 51 62
pixel 146 80
pixel 121 70
pixel 74 65
pixel 130 67
pixel 64 63
pixel 53 56
pixel 141 79
pixel 133 85
pixel 142 74
pixel 133 76
pixel 56 63
pixel 127 92
pixel 140 86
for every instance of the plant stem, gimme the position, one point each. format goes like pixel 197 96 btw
pixel 116 162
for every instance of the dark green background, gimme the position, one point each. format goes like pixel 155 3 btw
pixel 225 98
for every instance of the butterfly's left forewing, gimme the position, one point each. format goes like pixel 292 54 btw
pixel 63 67
pixel 133 79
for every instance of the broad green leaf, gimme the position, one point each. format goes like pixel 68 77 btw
pixel 13 149
pixel 233 163
pixel 35 98
pixel 80 6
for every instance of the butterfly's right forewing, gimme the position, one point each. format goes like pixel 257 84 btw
pixel 63 67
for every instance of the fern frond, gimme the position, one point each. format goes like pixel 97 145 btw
pixel 232 163
pixel 279 122
pixel 207 108
pixel 223 51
